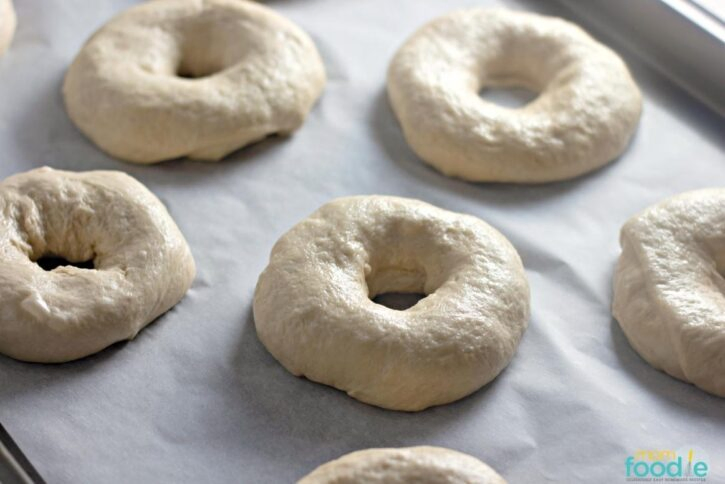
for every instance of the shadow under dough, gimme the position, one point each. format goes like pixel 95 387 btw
pixel 328 413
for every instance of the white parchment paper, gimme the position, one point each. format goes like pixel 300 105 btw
pixel 196 398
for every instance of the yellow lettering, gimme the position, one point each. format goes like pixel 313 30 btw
pixel 655 455
pixel 668 455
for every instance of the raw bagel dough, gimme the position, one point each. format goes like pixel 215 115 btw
pixel 423 465
pixel 142 264
pixel 8 21
pixel 584 116
pixel 313 309
pixel 669 291
pixel 256 74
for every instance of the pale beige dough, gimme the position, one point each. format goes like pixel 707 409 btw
pixel 586 112
pixel 669 291
pixel 256 74
pixel 313 309
pixel 142 264
pixel 8 21
pixel 422 465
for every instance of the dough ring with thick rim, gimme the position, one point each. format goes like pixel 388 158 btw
pixel 8 22
pixel 425 465
pixel 313 309
pixel 587 110
pixel 669 290
pixel 253 74
pixel 142 266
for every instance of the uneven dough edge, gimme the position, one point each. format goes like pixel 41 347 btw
pixel 447 154
pixel 110 111
pixel 422 464
pixel 417 368
pixel 644 310
pixel 64 334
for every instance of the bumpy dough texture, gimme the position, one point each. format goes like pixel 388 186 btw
pixel 8 21
pixel 422 465
pixel 142 264
pixel 313 309
pixel 256 74
pixel 669 291
pixel 584 116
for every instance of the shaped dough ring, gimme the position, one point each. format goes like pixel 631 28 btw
pixel 313 309
pixel 432 465
pixel 8 22
pixel 197 78
pixel 584 116
pixel 142 265
pixel 669 291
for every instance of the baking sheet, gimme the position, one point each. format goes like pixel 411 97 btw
pixel 196 398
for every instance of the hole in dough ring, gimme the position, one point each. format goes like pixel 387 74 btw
pixel 669 291
pixel 432 465
pixel 197 78
pixel 313 309
pixel 8 22
pixel 143 265
pixel 586 112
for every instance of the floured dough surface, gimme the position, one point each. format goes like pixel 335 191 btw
pixel 197 78
pixel 142 266
pixel 669 291
pixel 584 116
pixel 313 309
pixel 8 22
pixel 424 465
